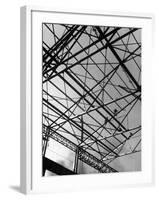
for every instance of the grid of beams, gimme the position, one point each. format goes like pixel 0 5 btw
pixel 92 91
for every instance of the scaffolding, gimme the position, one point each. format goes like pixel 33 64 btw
pixel 91 94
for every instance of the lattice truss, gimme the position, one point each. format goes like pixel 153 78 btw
pixel 92 93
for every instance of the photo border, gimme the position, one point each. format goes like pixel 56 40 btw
pixel 31 181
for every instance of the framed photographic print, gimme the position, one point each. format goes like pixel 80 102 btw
pixel 86 100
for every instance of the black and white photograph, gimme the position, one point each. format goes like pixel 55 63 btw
pixel 91 99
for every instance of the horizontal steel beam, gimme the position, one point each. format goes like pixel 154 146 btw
pixel 84 156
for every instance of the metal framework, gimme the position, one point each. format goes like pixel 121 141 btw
pixel 92 93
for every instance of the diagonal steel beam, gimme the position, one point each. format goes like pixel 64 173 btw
pixel 93 53
pixel 119 60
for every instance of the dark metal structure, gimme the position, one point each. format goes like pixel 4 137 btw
pixel 91 95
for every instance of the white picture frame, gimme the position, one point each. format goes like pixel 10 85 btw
pixel 31 159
